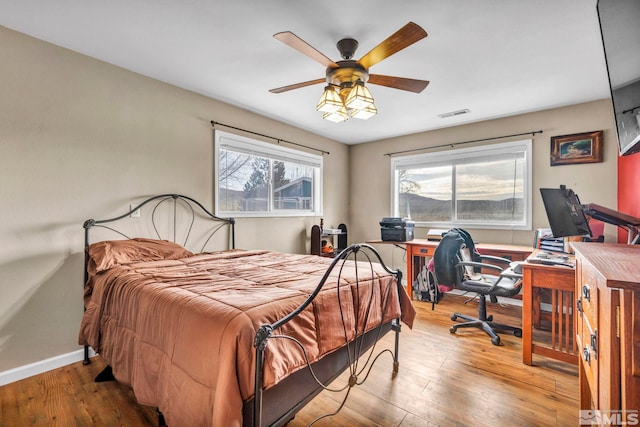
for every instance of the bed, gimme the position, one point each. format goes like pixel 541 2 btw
pixel 228 336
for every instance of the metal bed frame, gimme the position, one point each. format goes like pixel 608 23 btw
pixel 301 386
pixel 347 357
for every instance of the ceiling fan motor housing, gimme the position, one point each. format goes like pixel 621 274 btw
pixel 347 73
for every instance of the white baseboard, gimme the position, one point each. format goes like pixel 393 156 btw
pixel 26 371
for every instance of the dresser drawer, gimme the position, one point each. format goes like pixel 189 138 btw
pixel 587 293
pixel 588 355
pixel 610 313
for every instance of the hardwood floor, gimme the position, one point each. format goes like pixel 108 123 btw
pixel 444 380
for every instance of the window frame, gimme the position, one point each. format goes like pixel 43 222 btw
pixel 243 144
pixel 458 156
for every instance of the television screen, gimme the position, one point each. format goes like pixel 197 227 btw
pixel 565 213
pixel 620 29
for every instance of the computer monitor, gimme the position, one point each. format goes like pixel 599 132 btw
pixel 565 213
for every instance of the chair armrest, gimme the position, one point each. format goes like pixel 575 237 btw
pixel 507 273
pixel 479 265
pixel 517 280
pixel 495 259
pixel 511 274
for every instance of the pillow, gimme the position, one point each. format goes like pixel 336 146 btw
pixel 110 253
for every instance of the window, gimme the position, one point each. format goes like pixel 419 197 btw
pixel 254 178
pixel 480 187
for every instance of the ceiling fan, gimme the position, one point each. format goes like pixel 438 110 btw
pixel 345 94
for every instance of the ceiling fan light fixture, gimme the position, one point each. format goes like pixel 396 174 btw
pixel 330 101
pixel 338 116
pixel 359 97
pixel 365 113
pixel 345 94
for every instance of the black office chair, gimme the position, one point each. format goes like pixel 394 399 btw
pixel 457 263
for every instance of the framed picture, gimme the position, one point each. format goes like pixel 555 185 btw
pixel 577 148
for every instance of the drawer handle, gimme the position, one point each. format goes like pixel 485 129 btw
pixel 586 356
pixel 579 305
pixel 594 344
pixel 586 293
pixel 424 250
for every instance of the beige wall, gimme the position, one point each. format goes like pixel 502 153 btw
pixel 80 139
pixel 594 182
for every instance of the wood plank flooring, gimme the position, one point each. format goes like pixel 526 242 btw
pixel 444 380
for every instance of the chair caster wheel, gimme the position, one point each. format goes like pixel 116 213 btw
pixel 454 317
pixel 452 330
pixel 517 334
pixel 495 340
pixel 490 318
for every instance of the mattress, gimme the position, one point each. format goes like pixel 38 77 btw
pixel 180 331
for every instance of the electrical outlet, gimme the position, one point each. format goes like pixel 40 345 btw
pixel 134 214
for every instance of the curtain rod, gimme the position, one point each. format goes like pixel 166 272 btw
pixel 533 132
pixel 213 124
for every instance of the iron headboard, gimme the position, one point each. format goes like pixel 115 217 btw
pixel 192 207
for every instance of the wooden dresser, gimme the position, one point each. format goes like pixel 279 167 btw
pixel 608 328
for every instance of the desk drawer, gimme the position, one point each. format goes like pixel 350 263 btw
pixel 426 251
pixel 554 278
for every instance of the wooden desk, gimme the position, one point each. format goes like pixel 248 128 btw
pixel 420 250
pixel 559 281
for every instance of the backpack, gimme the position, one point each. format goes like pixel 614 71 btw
pixel 425 287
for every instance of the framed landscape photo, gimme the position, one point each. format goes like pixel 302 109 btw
pixel 576 148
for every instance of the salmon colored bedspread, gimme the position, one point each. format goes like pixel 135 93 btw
pixel 180 332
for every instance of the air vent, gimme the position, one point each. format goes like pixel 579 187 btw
pixel 454 113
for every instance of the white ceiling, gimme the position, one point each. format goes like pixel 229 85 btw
pixel 494 57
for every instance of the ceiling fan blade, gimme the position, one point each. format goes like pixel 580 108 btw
pixel 404 37
pixel 290 39
pixel 402 83
pixel 297 85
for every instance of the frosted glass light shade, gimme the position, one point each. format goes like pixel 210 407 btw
pixel 330 101
pixel 337 116
pixel 359 97
pixel 365 113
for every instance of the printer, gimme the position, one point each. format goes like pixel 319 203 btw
pixel 396 229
